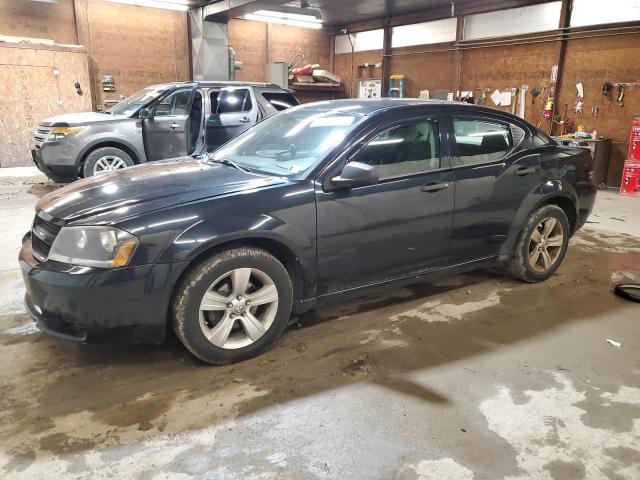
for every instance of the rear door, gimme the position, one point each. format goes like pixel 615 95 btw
pixel 493 175
pixel 237 110
pixel 167 134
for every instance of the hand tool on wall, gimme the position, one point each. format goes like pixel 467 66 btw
pixel 535 91
pixel 620 95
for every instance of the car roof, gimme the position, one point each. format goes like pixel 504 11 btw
pixel 221 83
pixel 370 106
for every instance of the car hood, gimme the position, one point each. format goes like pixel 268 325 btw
pixel 112 197
pixel 84 118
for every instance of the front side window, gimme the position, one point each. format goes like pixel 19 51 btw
pixel 176 103
pixel 479 141
pixel 403 150
pixel 234 100
pixel 290 143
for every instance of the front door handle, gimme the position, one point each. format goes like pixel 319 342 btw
pixel 522 171
pixel 434 187
pixel 245 120
pixel 175 125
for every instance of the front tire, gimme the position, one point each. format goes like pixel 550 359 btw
pixel 106 159
pixel 233 305
pixel 542 245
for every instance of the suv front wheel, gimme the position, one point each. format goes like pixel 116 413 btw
pixel 233 305
pixel 106 159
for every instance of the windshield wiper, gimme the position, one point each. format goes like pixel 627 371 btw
pixel 231 163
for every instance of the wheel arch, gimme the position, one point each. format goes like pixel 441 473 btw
pixel 87 150
pixel 278 249
pixel 564 198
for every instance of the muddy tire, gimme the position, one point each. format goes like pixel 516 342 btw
pixel 542 245
pixel 106 159
pixel 232 306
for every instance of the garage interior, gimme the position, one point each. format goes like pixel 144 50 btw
pixel 476 376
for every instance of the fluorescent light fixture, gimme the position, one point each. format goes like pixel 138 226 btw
pixel 295 19
pixel 166 4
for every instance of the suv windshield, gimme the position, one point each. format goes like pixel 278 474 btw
pixel 290 143
pixel 135 102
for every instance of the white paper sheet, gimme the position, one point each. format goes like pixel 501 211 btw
pixel 496 96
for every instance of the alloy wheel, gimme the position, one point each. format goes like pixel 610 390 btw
pixel 238 308
pixel 108 163
pixel 545 244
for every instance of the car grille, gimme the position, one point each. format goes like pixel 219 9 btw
pixel 41 134
pixel 43 234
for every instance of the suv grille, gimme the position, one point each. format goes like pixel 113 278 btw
pixel 43 234
pixel 41 134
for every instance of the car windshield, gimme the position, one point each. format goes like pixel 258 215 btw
pixel 289 143
pixel 135 102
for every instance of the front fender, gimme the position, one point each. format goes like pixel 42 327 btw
pixel 113 138
pixel 542 194
pixel 210 233
pixel 262 229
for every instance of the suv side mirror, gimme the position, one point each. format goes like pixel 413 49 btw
pixel 144 113
pixel 356 174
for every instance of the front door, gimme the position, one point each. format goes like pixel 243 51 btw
pixel 396 228
pixel 236 111
pixel 167 133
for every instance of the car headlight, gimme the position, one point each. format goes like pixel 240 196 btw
pixel 58 133
pixel 93 246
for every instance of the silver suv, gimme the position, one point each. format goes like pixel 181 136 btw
pixel 158 122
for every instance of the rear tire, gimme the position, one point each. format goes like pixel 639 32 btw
pixel 542 245
pixel 232 306
pixel 106 159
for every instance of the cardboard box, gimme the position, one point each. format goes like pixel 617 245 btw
pixel 324 76
pixel 630 184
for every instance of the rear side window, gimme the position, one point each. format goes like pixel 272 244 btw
pixel 480 141
pixel 280 100
pixel 234 100
pixel 403 150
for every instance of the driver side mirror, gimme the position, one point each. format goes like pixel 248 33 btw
pixel 145 114
pixel 355 174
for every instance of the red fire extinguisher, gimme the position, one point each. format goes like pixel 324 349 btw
pixel 548 108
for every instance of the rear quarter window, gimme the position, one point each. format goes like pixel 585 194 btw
pixel 280 100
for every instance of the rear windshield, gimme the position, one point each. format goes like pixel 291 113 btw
pixel 280 100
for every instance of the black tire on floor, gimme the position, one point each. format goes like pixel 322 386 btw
pixel 188 295
pixel 519 265
pixel 98 153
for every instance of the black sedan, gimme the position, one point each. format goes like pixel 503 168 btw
pixel 316 204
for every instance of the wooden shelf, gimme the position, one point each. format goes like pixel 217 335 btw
pixel 316 87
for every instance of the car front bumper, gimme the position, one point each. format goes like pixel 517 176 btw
pixel 45 157
pixel 86 304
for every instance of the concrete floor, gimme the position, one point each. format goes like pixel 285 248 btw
pixel 474 377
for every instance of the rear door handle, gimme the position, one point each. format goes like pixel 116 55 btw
pixel 434 187
pixel 175 125
pixel 526 171
pixel 245 120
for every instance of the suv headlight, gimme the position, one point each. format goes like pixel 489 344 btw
pixel 58 133
pixel 93 246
